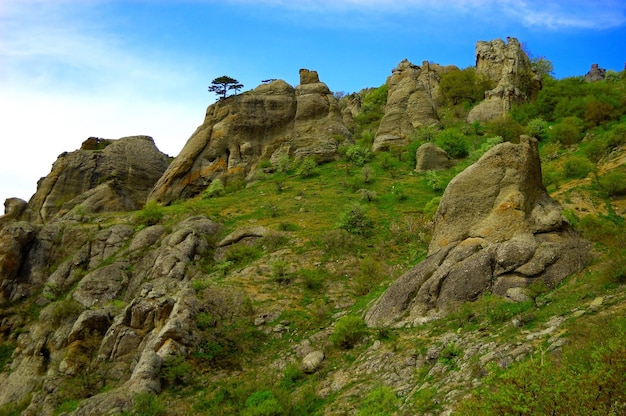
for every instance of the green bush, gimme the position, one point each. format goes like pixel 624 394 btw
pixel 216 188
pixel 147 404
pixel 569 131
pixel 453 142
pixel 176 371
pixel 538 128
pixel 348 331
pixel 308 167
pixel 382 401
pixel 613 183
pixel 357 154
pixel 578 167
pixel 262 403
pixel 505 127
pixel 355 221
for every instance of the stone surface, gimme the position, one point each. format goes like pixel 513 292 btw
pixel 509 68
pixel 595 73
pixel 412 100
pixel 118 174
pixel 495 229
pixel 312 361
pixel 240 131
pixel 430 157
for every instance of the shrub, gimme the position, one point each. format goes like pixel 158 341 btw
pixel 337 242
pixel 506 127
pixel 488 144
pixel 348 331
pixel 357 154
pixel 370 274
pixel 613 183
pixel 147 404
pixel 577 167
pixel 538 128
pixel 434 181
pixel 292 374
pixel 216 188
pixel 382 401
pixel 280 271
pixel 308 167
pixel 176 371
pixel 355 221
pixel 448 355
pixel 569 131
pixel 284 163
pixel 262 403
pixel 453 142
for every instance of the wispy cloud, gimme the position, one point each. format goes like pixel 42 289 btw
pixel 547 14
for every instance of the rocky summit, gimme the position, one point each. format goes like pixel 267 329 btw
pixel 238 132
pixel 443 244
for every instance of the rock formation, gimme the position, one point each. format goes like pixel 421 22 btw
pixel 595 73
pixel 508 66
pixel 103 175
pixel 496 229
pixel 148 270
pixel 430 157
pixel 413 98
pixel 241 130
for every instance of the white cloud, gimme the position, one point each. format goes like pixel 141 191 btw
pixel 547 14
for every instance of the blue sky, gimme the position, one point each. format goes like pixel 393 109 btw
pixel 70 69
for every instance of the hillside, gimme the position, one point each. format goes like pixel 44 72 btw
pixel 256 273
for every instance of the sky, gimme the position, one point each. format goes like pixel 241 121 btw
pixel 72 69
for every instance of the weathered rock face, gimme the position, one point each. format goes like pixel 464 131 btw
pixel 241 130
pixel 508 66
pixel 595 73
pixel 496 229
pixel 430 157
pixel 148 272
pixel 412 101
pixel 104 175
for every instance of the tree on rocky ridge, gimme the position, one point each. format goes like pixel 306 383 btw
pixel 223 84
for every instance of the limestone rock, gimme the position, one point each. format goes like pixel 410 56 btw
pixel 129 167
pixel 509 68
pixel 15 239
pixel 412 100
pixel 595 73
pixel 102 285
pixel 241 130
pixel 496 229
pixel 430 157
pixel 312 361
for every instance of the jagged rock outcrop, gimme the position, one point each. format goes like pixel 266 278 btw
pixel 430 157
pixel 103 175
pixel 412 100
pixel 148 271
pixel 509 68
pixel 595 73
pixel 241 130
pixel 496 228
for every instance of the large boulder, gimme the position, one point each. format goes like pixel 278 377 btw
pixel 496 229
pixel 412 100
pixel 103 175
pixel 431 157
pixel 242 130
pixel 510 70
